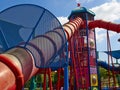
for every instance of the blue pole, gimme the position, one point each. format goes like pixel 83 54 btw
pixel 33 31
pixel 66 71
pixel 66 81
pixel 87 32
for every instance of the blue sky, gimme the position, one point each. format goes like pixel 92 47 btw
pixel 57 7
pixel 108 10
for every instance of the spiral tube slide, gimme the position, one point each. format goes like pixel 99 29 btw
pixel 105 25
pixel 17 65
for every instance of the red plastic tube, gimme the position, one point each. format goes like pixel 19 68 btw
pixel 105 25
pixel 17 64
pixel 10 74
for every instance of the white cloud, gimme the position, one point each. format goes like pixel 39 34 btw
pixel 109 11
pixel 63 20
pixel 99 36
pixel 102 35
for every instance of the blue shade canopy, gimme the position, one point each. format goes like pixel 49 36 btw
pixel 115 54
pixel 106 66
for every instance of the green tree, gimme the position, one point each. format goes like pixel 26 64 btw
pixel 103 73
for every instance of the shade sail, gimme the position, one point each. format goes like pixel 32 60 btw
pixel 115 53
pixel 107 66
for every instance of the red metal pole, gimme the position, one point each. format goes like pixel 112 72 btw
pixel 58 82
pixel 71 78
pixel 113 73
pixel 50 80
pixel 45 75
pixel 108 63
pixel 73 61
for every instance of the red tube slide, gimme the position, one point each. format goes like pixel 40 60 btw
pixel 17 65
pixel 105 25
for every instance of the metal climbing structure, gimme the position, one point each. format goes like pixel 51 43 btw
pixel 82 47
pixel 110 68
pixel 38 44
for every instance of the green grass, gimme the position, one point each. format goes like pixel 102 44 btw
pixel 35 89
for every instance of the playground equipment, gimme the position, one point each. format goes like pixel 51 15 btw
pixel 83 49
pixel 44 40
pixel 38 51
pixel 83 52
pixel 110 79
